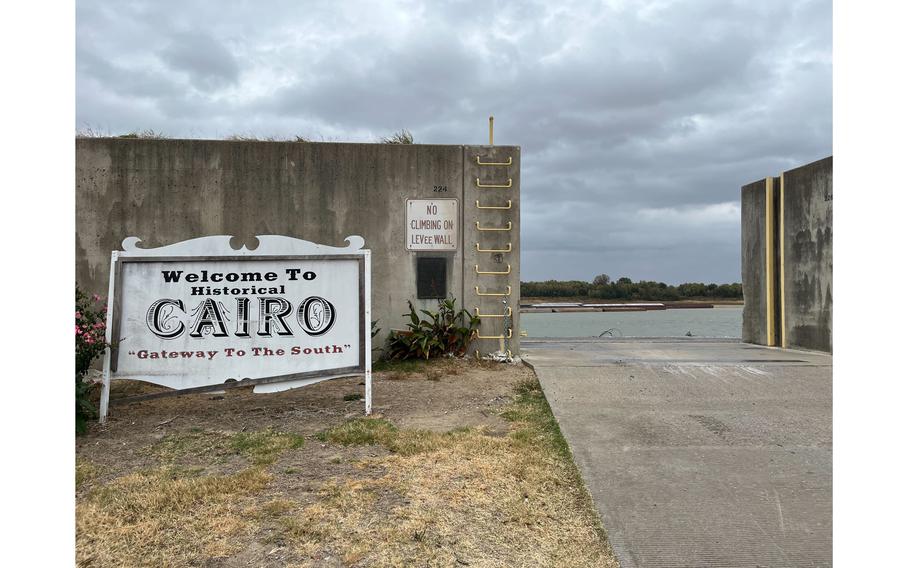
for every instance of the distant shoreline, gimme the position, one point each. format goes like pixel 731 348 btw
pixel 569 305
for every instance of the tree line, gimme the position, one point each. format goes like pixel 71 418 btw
pixel 624 289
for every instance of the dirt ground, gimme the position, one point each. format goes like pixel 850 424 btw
pixel 460 464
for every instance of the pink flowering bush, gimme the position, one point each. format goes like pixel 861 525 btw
pixel 90 343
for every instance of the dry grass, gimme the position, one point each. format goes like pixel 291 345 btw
pixel 258 138
pixel 387 496
pixel 479 500
pixel 462 497
pixel 165 518
pixel 403 136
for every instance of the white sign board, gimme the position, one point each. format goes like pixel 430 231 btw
pixel 199 314
pixel 432 224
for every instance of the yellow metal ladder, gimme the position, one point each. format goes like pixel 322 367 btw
pixel 488 199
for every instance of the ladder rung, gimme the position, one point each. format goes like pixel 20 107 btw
pixel 509 336
pixel 508 313
pixel 507 249
pixel 508 205
pixel 508 227
pixel 508 292
pixel 508 270
pixel 479 185
pixel 479 163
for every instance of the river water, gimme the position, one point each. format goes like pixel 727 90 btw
pixel 720 321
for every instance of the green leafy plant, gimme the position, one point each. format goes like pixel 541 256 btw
pixel 374 331
pixel 90 343
pixel 445 331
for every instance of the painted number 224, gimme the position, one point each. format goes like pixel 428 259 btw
pixel 439 188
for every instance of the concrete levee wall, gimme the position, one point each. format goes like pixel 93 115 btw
pixel 787 258
pixel 808 260
pixel 754 261
pixel 165 191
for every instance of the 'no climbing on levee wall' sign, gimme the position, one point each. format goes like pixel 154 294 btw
pixel 432 224
pixel 199 315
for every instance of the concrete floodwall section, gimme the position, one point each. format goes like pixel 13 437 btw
pixel 787 258
pixel 755 277
pixel 760 261
pixel 806 218
pixel 165 191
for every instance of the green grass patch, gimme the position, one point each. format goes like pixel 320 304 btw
pixel 360 432
pixel 351 396
pixel 263 447
pixel 194 443
pixel 86 471
pixel 277 507
pixel 260 447
pixel 531 412
pixel 292 529
pixel 381 432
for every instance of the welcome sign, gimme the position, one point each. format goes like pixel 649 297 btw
pixel 200 314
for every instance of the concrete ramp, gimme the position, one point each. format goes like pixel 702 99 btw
pixel 698 453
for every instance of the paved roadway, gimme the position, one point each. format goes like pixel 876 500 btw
pixel 698 453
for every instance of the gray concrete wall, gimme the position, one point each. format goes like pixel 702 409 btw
pixel 165 191
pixel 808 259
pixel 788 302
pixel 754 273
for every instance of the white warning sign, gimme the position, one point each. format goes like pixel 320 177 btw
pixel 432 224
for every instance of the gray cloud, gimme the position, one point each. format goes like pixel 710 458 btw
pixel 638 121
pixel 207 63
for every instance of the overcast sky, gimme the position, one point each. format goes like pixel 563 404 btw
pixel 638 121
